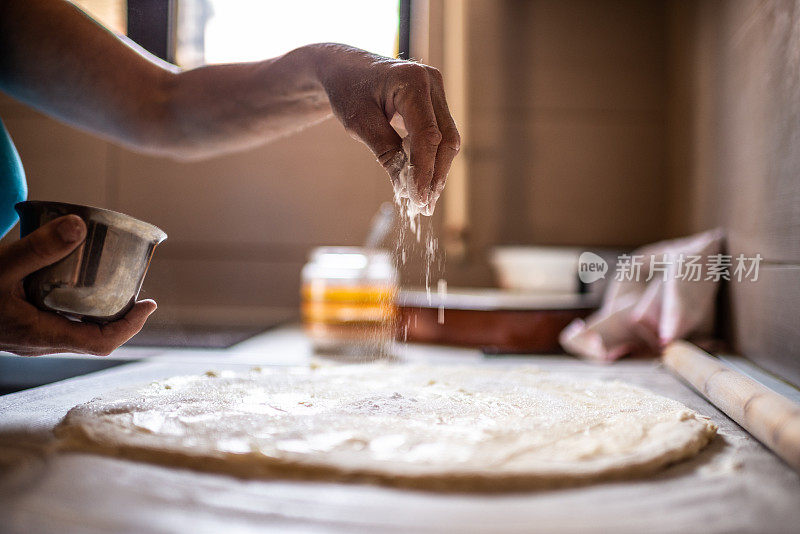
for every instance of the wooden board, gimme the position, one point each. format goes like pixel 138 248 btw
pixel 733 485
pixel 495 321
pixel 494 332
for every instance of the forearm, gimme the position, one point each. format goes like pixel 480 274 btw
pixel 57 59
pixel 219 108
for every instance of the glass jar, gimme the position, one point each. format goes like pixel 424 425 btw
pixel 348 301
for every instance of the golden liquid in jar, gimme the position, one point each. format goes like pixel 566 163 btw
pixel 348 317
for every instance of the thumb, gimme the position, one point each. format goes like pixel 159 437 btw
pixel 42 247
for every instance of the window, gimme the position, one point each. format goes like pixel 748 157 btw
pixel 109 13
pixel 222 31
pixel 195 32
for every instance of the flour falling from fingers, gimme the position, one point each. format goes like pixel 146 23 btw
pixel 417 235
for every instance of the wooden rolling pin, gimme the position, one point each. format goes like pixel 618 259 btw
pixel 770 417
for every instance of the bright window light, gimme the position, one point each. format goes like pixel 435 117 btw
pixel 223 31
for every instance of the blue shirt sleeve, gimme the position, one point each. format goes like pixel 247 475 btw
pixel 13 187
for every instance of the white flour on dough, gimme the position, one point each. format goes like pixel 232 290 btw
pixel 429 427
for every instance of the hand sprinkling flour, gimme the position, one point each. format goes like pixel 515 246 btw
pixel 374 93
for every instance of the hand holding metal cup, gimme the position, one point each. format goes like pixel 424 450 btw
pixel 100 280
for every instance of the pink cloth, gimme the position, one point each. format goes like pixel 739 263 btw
pixel 640 316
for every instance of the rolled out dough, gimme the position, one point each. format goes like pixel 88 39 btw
pixel 429 427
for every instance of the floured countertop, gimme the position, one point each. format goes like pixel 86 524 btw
pixel 733 485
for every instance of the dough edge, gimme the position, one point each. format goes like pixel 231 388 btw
pixel 74 438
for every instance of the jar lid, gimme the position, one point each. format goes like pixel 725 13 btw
pixel 350 263
pixel 348 257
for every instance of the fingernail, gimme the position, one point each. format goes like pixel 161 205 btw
pixel 71 230
pixel 432 206
pixel 434 200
